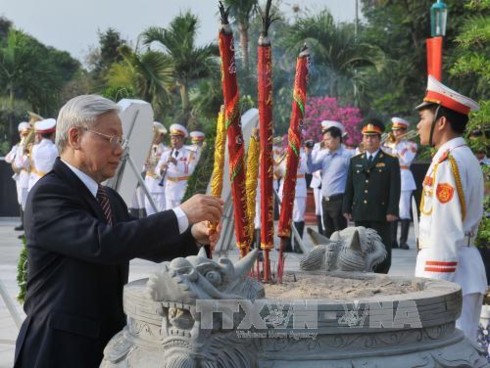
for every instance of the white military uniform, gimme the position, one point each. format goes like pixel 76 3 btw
pixel 177 175
pixel 451 209
pixel 406 151
pixel 19 159
pixel 43 155
pixel 300 190
pixel 317 154
pixel 152 179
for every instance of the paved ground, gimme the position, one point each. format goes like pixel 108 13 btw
pixel 403 263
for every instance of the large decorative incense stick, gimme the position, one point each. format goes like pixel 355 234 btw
pixel 251 182
pixel 264 73
pixel 236 144
pixel 293 154
pixel 219 160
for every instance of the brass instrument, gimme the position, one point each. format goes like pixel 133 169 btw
pixel 389 139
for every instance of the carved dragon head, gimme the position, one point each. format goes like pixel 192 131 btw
pixel 352 249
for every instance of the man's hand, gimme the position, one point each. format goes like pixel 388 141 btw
pixel 348 216
pixel 391 218
pixel 202 207
pixel 172 160
pixel 202 234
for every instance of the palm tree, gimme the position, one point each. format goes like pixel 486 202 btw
pixel 242 11
pixel 149 74
pixel 335 50
pixel 190 63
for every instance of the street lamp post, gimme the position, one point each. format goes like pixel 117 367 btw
pixel 438 21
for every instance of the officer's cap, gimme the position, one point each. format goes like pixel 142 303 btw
pixel 178 129
pixel 438 93
pixel 372 127
pixel 45 126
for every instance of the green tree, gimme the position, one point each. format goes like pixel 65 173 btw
pixel 191 63
pixel 149 75
pixel 336 53
pixel 242 11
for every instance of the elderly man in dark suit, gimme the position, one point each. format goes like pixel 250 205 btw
pixel 372 190
pixel 80 240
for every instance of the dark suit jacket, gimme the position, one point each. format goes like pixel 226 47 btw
pixel 78 266
pixel 372 191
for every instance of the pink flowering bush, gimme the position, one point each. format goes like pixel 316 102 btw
pixel 327 108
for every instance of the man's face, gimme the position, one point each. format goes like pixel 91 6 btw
pixel 426 116
pixel 330 142
pixel 176 141
pixel 398 132
pixel 98 157
pixel 371 142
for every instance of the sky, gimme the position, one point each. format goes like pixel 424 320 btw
pixel 73 25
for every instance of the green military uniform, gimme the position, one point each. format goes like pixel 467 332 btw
pixel 372 191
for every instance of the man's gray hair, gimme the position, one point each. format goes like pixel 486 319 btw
pixel 81 111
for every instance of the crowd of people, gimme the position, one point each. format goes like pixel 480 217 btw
pixel 81 235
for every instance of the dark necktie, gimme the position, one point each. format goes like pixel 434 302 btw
pixel 370 159
pixel 176 153
pixel 104 203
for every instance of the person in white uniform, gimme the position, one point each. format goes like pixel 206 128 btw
pixel 452 202
pixel 176 166
pixel 19 159
pixel 405 150
pixel 197 143
pixel 152 179
pixel 43 153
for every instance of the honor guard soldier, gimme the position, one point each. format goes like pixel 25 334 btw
pixel 372 191
pixel 399 145
pixel 44 152
pixel 451 206
pixel 197 143
pixel 278 155
pixel 152 179
pixel 19 159
pixel 176 166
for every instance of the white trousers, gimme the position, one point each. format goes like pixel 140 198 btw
pixel 405 204
pixel 470 315
pixel 159 199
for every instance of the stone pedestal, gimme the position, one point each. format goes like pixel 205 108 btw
pixel 414 329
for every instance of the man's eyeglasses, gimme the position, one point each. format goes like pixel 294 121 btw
pixel 114 140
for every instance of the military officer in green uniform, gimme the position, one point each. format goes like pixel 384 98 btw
pixel 372 190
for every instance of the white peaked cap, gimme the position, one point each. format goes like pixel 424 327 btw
pixel 438 93
pixel 178 129
pixel 45 126
pixel 23 126
pixel 197 135
pixel 399 123
pixel 159 127
pixel 326 124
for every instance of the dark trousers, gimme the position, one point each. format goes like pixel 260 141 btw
pixel 384 230
pixel 333 218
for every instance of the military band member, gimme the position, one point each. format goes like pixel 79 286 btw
pixel 19 159
pixel 452 201
pixel 405 150
pixel 152 179
pixel 372 191
pixel 176 166
pixel 44 152
pixel 197 143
